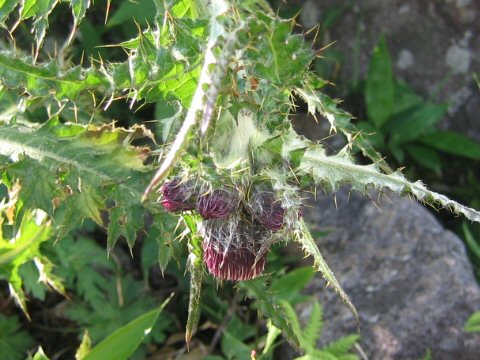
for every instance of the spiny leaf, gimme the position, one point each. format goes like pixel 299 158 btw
pixel 278 55
pixel 196 278
pixel 79 8
pixel 47 79
pixel 40 11
pixel 269 306
pixel 195 267
pixel 81 167
pixel 46 275
pixel 207 78
pixel 341 120
pixel 336 170
pixel 304 238
pixel 126 221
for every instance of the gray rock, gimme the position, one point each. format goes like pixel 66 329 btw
pixel 434 47
pixel 408 277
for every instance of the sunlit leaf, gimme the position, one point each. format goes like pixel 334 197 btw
pixel 123 342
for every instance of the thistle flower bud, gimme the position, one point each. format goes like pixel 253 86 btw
pixel 231 249
pixel 177 196
pixel 218 204
pixel 266 209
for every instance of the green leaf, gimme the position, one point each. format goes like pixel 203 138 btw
pixel 288 286
pixel 121 299
pixel 92 40
pixel 370 135
pixel 348 357
pixel 33 231
pixel 272 335
pixel 428 355
pixel 6 7
pixel 187 8
pixel 414 122
pixel 30 276
pixel 398 152
pixel 472 244
pixel 476 77
pixel 79 8
pixel 342 346
pixel 473 323
pixel 38 187
pixel 168 116
pixel 425 156
pixel 83 267
pixel 294 323
pixel 270 307
pixel 405 98
pixel 123 342
pixel 14 341
pixel 126 221
pixel 85 346
pixel 317 355
pixel 149 254
pixel 39 355
pixel 311 332
pixel 453 143
pixel 234 348
pixel 380 85
pixel 240 329
pixel 143 11
pixel 164 255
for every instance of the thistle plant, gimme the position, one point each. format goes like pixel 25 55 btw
pixel 233 171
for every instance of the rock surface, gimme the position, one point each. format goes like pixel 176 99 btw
pixel 408 277
pixel 434 45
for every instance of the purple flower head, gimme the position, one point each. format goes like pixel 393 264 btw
pixel 267 209
pixel 218 204
pixel 231 249
pixel 177 196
